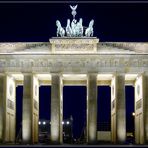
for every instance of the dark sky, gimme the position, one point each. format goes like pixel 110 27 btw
pixel 33 22
pixel 36 21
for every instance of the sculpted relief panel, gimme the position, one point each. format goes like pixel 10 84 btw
pixel 80 45
pixel 74 47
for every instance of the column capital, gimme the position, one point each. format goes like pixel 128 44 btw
pixel 92 73
pixel 146 73
pixel 27 73
pixel 119 74
pixel 3 74
pixel 140 74
pixel 56 73
pixel 6 74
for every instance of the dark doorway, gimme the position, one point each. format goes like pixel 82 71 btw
pixel 19 106
pixel 44 113
pixel 104 108
pixel 130 126
pixel 74 106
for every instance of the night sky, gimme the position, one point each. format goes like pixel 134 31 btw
pixel 35 22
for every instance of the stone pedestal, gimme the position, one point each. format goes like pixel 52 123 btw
pixel 92 109
pixel 118 109
pixel 74 45
pixel 56 109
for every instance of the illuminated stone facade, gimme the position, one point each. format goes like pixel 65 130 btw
pixel 72 61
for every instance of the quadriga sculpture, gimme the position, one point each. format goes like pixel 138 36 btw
pixel 89 31
pixel 79 28
pixel 68 29
pixel 73 27
pixel 60 30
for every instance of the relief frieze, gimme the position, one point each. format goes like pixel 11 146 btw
pixel 69 61
pixel 73 47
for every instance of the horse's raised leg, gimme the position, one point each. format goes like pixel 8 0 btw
pixel 92 33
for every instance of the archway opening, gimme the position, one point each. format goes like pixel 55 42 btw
pixel 74 111
pixel 44 113
pixel 130 115
pixel 19 106
pixel 104 114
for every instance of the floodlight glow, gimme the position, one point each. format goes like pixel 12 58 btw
pixel 131 76
pixel 77 75
pixel 74 76
pixel 18 76
pixel 104 76
pixel 44 123
pixel 44 76
pixel 67 122
pixel 39 122
pixel 62 122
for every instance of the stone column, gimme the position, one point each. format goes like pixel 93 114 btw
pixel 30 109
pixel 10 104
pixel 35 108
pixel 27 109
pixel 140 109
pixel 7 109
pixel 118 109
pixel 146 108
pixel 56 109
pixel 92 108
pixel 2 97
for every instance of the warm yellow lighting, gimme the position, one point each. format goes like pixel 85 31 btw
pixel 44 76
pixel 74 76
pixel 18 76
pixel 133 114
pixel 104 76
pixel 129 77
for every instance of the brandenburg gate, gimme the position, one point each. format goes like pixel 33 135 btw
pixel 78 60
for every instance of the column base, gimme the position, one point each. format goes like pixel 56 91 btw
pixel 27 142
pixel 121 142
pixel 55 143
pixel 92 142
